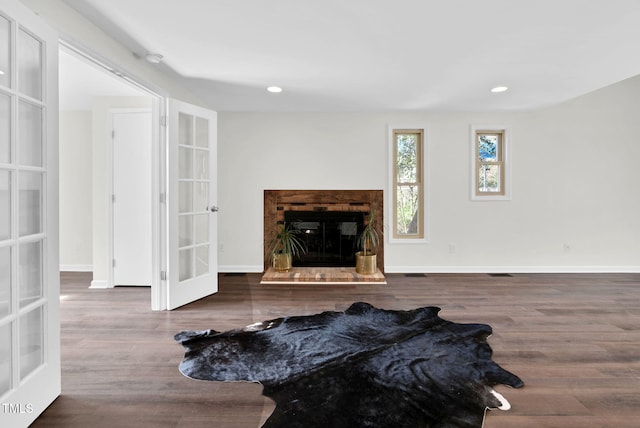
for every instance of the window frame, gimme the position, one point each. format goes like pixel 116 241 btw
pixel 422 182
pixel 504 161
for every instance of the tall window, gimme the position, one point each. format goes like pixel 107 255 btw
pixel 408 185
pixel 490 167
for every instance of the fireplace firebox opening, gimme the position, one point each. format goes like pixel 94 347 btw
pixel 329 236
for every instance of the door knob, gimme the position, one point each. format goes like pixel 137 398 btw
pixel 214 209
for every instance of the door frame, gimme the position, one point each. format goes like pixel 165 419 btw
pixel 159 102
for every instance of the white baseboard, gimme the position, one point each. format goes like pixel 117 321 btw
pixel 99 283
pixel 76 268
pixel 240 269
pixel 512 269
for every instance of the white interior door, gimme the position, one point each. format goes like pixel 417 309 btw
pixel 192 199
pixel 131 199
pixel 29 266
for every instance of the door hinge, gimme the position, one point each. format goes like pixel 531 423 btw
pixel 163 120
pixel 113 199
pixel 163 275
pixel 163 198
pixel 113 263
pixel 113 135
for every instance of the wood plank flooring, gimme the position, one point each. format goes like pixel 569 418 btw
pixel 573 339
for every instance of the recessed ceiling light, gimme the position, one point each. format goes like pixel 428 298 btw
pixel 274 89
pixel 499 89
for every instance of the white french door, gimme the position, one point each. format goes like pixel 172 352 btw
pixel 29 267
pixel 192 198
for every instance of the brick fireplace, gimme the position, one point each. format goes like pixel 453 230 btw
pixel 358 202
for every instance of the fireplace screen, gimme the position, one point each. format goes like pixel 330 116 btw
pixel 330 236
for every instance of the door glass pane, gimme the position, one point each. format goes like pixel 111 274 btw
pixel 5 52
pixel 30 273
pixel 185 261
pixel 185 129
pixel 185 162
pixel 201 197
pixel 185 230
pixel 185 197
pixel 202 260
pixel 5 358
pixel 29 65
pixel 30 134
pixel 202 132
pixel 202 165
pixel 202 228
pixel 30 205
pixel 5 205
pixel 5 131
pixel 5 282
pixel 31 341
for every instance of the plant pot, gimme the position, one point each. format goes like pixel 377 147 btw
pixel 366 265
pixel 282 262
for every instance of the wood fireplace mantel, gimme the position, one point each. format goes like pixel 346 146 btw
pixel 276 202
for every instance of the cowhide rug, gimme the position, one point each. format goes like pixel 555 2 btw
pixel 364 367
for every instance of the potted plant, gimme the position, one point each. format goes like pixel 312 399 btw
pixel 366 262
pixel 284 246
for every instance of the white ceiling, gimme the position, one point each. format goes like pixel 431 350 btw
pixel 381 55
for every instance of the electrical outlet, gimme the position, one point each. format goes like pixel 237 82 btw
pixel 567 248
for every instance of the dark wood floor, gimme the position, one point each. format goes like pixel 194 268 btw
pixel 573 339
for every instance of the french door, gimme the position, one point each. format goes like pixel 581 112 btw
pixel 192 210
pixel 29 267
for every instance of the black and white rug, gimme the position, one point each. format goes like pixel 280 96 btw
pixel 364 367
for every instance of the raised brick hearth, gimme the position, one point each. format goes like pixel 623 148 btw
pixel 321 276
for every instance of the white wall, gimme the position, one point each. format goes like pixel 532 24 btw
pixel 575 204
pixel 76 220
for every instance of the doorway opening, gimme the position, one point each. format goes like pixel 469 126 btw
pixel 90 93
